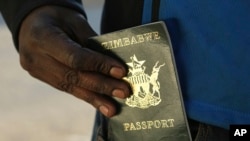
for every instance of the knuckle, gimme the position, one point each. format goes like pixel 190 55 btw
pixel 95 83
pixel 74 60
pixel 86 59
pixel 66 87
pixel 102 87
pixel 71 79
pixel 97 88
pixel 75 55
pixel 103 67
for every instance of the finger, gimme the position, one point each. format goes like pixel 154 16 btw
pixel 62 48
pixel 49 72
pixel 45 73
pixel 105 105
pixel 64 78
pixel 48 34
pixel 96 82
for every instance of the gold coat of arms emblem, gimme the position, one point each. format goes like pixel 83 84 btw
pixel 146 87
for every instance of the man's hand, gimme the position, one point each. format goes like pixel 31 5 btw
pixel 52 49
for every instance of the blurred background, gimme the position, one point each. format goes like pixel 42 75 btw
pixel 31 110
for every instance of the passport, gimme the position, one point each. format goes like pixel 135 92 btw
pixel 155 111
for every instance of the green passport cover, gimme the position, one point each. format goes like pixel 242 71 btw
pixel 155 111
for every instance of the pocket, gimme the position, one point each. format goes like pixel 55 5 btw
pixel 100 128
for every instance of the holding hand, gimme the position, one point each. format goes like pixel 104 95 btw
pixel 52 48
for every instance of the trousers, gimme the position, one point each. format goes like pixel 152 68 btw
pixel 205 132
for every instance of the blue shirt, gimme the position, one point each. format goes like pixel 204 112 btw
pixel 211 42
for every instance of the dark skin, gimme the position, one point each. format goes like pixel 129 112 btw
pixel 52 49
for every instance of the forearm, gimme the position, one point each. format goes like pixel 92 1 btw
pixel 14 11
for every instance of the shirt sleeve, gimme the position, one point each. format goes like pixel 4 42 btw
pixel 14 11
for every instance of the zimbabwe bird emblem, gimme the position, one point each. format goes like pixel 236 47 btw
pixel 146 88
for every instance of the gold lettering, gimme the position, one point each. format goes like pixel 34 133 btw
pixel 148 36
pixel 171 122
pixel 133 40
pixel 140 38
pixel 126 41
pixel 150 124
pixel 105 44
pixel 143 125
pixel 118 43
pixel 157 124
pixel 132 126
pixel 156 35
pixel 126 126
pixel 110 44
pixel 164 123
pixel 138 125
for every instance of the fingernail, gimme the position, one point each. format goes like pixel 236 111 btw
pixel 118 93
pixel 104 110
pixel 117 72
